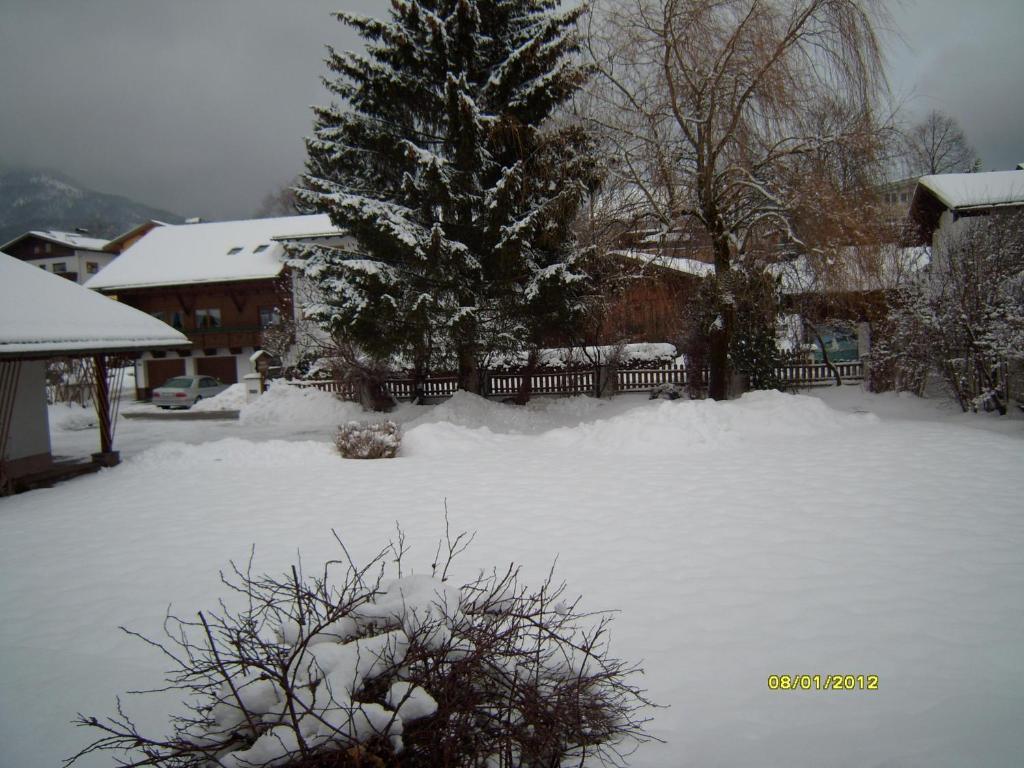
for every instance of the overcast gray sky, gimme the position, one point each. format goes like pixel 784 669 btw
pixel 200 106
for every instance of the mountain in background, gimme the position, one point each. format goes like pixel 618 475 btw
pixel 41 199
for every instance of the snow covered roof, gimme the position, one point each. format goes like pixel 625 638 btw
pixel 139 229
pixel 976 190
pixel 70 239
pixel 42 314
pixel 214 252
pixel 686 266
pixel 853 269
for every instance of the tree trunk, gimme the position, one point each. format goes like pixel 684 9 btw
pixel 718 364
pixel 824 353
pixel 374 396
pixel 469 371
pixel 720 339
pixel 526 385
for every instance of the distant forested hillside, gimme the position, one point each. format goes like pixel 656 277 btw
pixel 38 199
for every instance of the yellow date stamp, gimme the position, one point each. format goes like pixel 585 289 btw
pixel 822 682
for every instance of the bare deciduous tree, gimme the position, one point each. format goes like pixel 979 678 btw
pixel 740 116
pixel 282 201
pixel 938 145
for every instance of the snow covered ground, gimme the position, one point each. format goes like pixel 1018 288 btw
pixel 775 535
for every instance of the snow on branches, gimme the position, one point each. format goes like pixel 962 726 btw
pixel 963 317
pixel 444 164
pixel 370 664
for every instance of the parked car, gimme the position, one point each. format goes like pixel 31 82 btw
pixel 186 391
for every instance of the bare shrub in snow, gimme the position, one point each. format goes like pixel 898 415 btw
pixel 668 391
pixel 964 318
pixel 352 668
pixel 69 380
pixel 365 374
pixel 356 440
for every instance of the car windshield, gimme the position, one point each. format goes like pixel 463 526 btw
pixel 180 382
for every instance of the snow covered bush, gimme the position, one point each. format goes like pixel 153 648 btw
pixel 350 668
pixel 356 440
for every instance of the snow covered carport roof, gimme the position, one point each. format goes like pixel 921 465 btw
pixel 43 315
pixel 215 252
pixel 965 191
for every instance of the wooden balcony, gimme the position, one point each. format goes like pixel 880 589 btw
pixel 225 336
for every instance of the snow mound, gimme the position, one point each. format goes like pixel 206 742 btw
pixel 71 417
pixel 299 406
pixel 540 414
pixel 685 425
pixel 652 428
pixel 231 399
pixel 233 453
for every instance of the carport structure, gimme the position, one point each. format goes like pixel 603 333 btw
pixel 44 317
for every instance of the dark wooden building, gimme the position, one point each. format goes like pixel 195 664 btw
pixel 222 284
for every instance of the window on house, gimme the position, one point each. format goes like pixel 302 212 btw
pixel 233 251
pixel 49 248
pixel 260 248
pixel 92 267
pixel 176 321
pixel 903 197
pixel 269 316
pixel 208 318
pixel 59 266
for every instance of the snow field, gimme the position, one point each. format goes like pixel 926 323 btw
pixel 770 535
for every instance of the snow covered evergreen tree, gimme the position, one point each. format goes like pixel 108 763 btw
pixel 444 163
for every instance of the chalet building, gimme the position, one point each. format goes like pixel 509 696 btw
pixel 222 284
pixel 942 203
pixel 72 255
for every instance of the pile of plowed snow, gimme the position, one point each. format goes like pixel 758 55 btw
pixel 71 416
pixel 231 399
pixel 299 407
pixel 467 423
pixel 539 415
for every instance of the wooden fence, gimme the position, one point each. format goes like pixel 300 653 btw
pixel 584 381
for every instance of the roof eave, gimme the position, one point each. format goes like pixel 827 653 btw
pixel 48 352
pixel 982 206
pixel 183 283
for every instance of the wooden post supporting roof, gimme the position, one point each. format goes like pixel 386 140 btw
pixel 107 456
pixel 10 372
